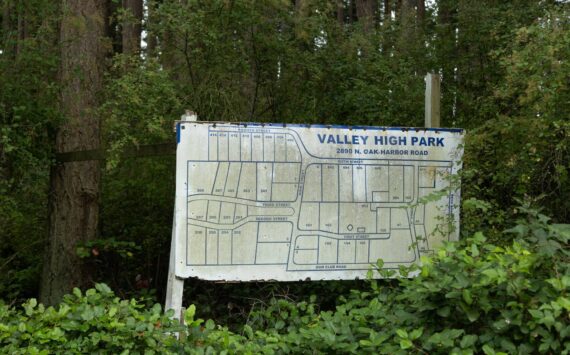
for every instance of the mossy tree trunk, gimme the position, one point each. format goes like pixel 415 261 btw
pixel 132 26
pixel 75 186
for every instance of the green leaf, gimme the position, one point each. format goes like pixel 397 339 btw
pixel 103 288
pixel 468 341
pixel 87 314
pixel 112 311
pixel 406 344
pixel 564 303
pixel 467 296
pixel 416 333
pixel 474 250
pixel 402 333
pixel 535 313
pixel 380 263
pixel 189 314
pixel 210 324
pixel 488 350
pixel 472 314
pixel 444 311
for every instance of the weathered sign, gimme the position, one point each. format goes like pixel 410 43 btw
pixel 291 202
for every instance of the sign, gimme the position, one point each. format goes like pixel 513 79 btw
pixel 294 202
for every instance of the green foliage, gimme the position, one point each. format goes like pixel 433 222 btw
pixel 28 117
pixel 94 322
pixel 536 82
pixel 471 297
pixel 96 247
pixel 140 106
pixel 509 160
pixel 137 207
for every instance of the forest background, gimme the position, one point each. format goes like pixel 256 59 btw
pixel 114 75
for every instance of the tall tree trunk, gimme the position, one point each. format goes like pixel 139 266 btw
pixel 21 27
pixel 448 57
pixel 6 26
pixel 132 26
pixel 421 11
pixel 365 10
pixel 151 39
pixel 398 9
pixel 75 186
pixel 387 12
pixel 387 41
pixel 340 12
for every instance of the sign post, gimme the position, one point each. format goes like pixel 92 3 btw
pixel 432 101
pixel 175 285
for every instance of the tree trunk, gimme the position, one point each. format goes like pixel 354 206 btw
pixel 21 28
pixel 365 10
pixel 340 12
pixel 75 186
pixel 6 28
pixel 387 12
pixel 352 11
pixel 132 26
pixel 398 9
pixel 421 11
pixel 151 39
pixel 447 56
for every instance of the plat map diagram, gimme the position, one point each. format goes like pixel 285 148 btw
pixel 292 202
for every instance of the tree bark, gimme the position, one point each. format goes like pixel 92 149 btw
pixel 398 9
pixel 151 39
pixel 448 57
pixel 75 186
pixel 132 26
pixel 421 11
pixel 365 13
pixel 21 28
pixel 6 27
pixel 340 12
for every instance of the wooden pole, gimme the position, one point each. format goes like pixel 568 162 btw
pixel 175 285
pixel 432 101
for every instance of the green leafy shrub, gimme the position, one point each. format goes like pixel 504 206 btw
pixel 471 297
pixel 94 322
pixel 511 160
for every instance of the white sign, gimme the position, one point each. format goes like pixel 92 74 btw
pixel 291 202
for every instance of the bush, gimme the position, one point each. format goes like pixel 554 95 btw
pixel 94 322
pixel 509 160
pixel 471 297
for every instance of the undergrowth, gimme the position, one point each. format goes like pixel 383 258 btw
pixel 471 297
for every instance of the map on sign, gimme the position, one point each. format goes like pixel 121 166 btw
pixel 287 202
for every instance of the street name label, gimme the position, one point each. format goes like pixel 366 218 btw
pixel 289 202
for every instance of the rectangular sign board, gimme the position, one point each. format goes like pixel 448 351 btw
pixel 293 202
